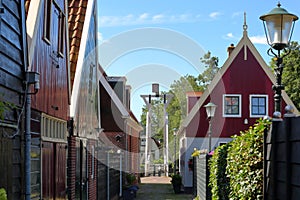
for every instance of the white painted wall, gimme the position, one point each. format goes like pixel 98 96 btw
pixel 187 146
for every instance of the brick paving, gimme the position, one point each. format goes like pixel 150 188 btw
pixel 159 188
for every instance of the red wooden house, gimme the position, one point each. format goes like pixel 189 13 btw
pixel 242 91
pixel 48 55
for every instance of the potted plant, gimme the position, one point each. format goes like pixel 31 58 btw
pixel 176 182
pixel 131 187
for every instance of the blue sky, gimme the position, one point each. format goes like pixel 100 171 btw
pixel 158 41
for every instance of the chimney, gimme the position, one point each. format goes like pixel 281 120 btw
pixel 230 49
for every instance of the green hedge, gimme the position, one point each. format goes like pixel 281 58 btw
pixel 237 167
pixel 218 181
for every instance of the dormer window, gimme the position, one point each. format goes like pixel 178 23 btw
pixel 232 105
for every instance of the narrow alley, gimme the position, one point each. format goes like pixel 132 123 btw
pixel 159 188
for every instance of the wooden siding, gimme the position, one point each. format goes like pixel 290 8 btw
pixel 54 170
pixel 243 77
pixel 84 106
pixel 11 88
pixel 52 98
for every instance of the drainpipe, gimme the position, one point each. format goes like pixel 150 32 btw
pixel 27 148
pixel 28 104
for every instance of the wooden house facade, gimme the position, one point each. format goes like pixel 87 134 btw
pixel 101 127
pixel 84 109
pixel 242 91
pixel 48 55
pixel 13 65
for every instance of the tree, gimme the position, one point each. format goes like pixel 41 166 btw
pixel 291 72
pixel 211 65
pixel 177 109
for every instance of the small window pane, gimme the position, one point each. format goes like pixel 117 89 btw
pixel 232 106
pixel 262 101
pixel 258 105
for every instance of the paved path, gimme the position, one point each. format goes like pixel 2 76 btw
pixel 159 188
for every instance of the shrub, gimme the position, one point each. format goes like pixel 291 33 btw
pixel 245 163
pixel 3 195
pixel 218 181
pixel 236 169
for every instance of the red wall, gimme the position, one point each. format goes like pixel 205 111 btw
pixel 52 97
pixel 243 77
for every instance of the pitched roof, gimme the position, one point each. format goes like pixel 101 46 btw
pixel 76 17
pixel 244 42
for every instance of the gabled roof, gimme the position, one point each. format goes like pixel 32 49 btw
pixel 244 42
pixel 113 111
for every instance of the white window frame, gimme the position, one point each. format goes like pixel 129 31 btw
pixel 240 105
pixel 250 105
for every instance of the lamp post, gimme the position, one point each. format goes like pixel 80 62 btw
pixel 210 111
pixel 278 27
pixel 175 138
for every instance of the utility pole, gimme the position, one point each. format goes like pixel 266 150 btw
pixel 147 99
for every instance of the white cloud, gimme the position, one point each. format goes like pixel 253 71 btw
pixel 146 18
pixel 156 18
pixel 214 15
pixel 236 14
pixel 258 39
pixel 143 16
pixel 229 35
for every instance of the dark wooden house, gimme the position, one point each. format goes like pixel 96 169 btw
pixel 48 55
pixel 13 65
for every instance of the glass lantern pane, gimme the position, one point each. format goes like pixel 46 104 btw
pixel 287 22
pixel 274 28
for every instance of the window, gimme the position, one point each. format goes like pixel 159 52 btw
pixel 61 34
pixel 47 20
pixel 258 105
pixel 232 105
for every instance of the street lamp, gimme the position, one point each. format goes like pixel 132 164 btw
pixel 210 111
pixel 278 26
pixel 175 138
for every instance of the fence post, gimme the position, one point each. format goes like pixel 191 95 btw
pixel 287 122
pixel 273 151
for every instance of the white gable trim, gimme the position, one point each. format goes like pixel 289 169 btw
pixel 244 43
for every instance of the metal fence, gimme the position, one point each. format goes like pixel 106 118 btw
pixel 201 177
